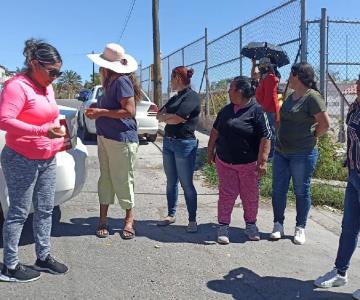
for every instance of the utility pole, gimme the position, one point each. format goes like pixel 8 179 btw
pixel 93 75
pixel 157 59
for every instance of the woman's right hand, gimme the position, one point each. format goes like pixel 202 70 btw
pixel 211 158
pixel 56 132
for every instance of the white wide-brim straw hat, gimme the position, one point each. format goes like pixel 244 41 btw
pixel 115 59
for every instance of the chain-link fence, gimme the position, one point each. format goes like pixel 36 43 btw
pixel 219 60
pixel 331 46
pixel 191 55
pixel 333 51
pixel 280 25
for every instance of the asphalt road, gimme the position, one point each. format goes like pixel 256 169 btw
pixel 168 263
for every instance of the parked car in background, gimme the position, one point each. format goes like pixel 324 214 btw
pixel 146 111
pixel 71 163
pixel 83 94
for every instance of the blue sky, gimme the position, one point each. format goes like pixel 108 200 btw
pixel 78 27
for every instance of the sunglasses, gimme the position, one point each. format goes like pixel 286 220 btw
pixel 51 72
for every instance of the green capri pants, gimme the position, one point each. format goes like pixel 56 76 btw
pixel 117 162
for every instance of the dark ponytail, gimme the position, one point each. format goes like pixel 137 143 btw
pixel 305 74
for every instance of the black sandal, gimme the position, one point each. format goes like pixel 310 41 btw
pixel 102 231
pixel 128 233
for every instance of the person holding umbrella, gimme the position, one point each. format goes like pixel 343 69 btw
pixel 270 58
pixel 266 94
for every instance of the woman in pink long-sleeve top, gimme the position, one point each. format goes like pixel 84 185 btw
pixel 29 115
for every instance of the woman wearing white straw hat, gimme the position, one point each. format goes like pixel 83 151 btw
pixel 117 134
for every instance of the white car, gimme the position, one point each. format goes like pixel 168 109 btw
pixel 146 111
pixel 71 163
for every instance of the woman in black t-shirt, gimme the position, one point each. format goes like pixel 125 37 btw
pixel 239 144
pixel 181 115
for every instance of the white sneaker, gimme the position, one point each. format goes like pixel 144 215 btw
pixel 356 294
pixel 278 231
pixel 332 279
pixel 223 235
pixel 299 236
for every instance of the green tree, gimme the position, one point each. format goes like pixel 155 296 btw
pixel 220 85
pixel 68 84
pixel 92 83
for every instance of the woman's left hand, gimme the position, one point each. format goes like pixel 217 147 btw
pixel 94 113
pixel 261 168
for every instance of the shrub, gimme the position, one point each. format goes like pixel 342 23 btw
pixel 330 165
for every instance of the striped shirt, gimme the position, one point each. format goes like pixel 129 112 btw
pixel 353 136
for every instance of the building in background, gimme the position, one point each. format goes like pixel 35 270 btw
pixel 5 74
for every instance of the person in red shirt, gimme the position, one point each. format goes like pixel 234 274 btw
pixel 266 93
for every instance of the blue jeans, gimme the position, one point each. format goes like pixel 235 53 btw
pixel 350 222
pixel 179 164
pixel 28 182
pixel 299 166
pixel 271 119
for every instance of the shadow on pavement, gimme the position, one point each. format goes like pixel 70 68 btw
pixel 174 233
pixel 244 284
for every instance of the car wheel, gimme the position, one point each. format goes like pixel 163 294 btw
pixel 151 137
pixel 86 134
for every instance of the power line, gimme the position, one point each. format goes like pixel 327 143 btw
pixel 127 19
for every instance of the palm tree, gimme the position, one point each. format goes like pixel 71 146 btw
pixel 69 83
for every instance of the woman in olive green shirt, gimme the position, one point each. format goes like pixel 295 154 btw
pixel 303 119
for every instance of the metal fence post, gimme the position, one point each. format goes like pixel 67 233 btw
pixel 303 42
pixel 342 135
pixel 140 74
pixel 183 56
pixel 323 51
pixel 169 77
pixel 207 99
pixel 240 45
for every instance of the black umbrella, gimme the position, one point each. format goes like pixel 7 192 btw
pixel 259 50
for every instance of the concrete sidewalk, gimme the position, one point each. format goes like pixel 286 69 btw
pixel 274 270
pixel 167 262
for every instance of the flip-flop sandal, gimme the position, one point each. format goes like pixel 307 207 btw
pixel 130 232
pixel 102 231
